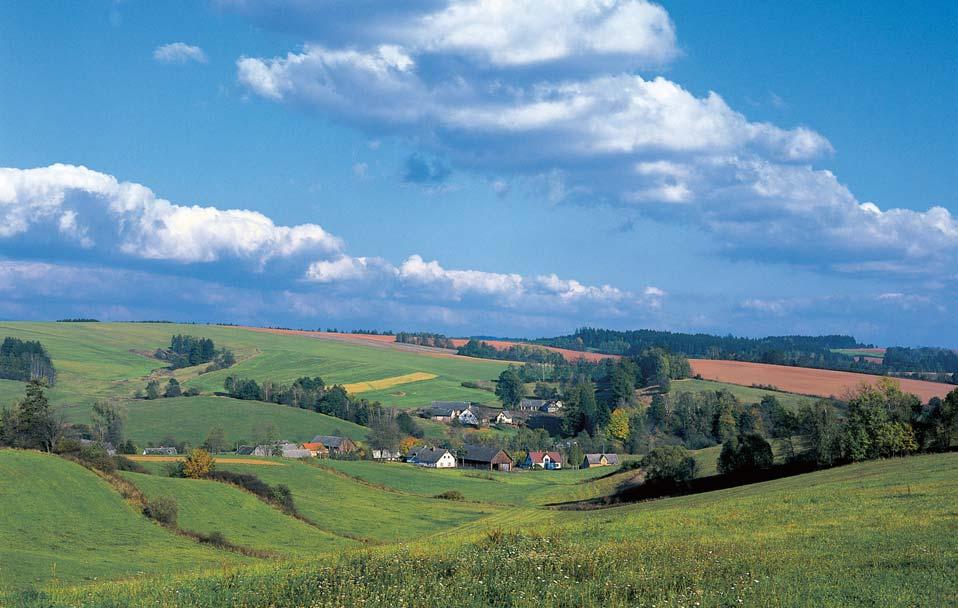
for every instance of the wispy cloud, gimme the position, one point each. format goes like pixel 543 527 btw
pixel 179 52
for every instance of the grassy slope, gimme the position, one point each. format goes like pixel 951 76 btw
pixel 60 520
pixel 744 394
pixel 520 488
pixel 345 506
pixel 191 418
pixel 208 506
pixel 100 360
pixel 873 534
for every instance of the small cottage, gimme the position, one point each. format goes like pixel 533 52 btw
pixel 531 405
pixel 503 417
pixel 316 449
pixel 434 458
pixel 468 418
pixel 543 460
pixel 600 460
pixel 335 445
pixel 386 455
pixel 446 411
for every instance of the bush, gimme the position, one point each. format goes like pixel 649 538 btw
pixel 280 495
pixel 198 464
pixel 162 509
pixel 744 454
pixel 670 464
pixel 125 464
pixel 451 495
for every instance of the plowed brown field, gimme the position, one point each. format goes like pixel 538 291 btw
pixel 803 380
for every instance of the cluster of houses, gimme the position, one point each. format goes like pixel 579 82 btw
pixel 496 459
pixel 470 414
pixel 321 446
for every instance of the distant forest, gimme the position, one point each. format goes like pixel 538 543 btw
pixel 425 339
pixel 25 361
pixel 800 351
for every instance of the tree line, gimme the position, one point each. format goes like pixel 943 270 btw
pixel 25 360
pixel 425 339
pixel 305 393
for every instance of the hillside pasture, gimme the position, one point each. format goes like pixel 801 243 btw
pixel 348 507
pixel 745 394
pixel 568 354
pixel 803 380
pixel 191 418
pixel 880 533
pixel 61 522
pixel 209 506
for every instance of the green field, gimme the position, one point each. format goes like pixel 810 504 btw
pixel 881 533
pixel 191 418
pixel 345 506
pixel 852 352
pixel 208 506
pixel 59 521
pixel 109 361
pixel 744 394
pixel 519 487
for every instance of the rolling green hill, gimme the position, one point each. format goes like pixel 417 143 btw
pixel 348 507
pixel 61 522
pixel 191 418
pixel 209 506
pixel 880 533
pixel 744 394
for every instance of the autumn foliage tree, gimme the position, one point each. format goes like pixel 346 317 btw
pixel 198 464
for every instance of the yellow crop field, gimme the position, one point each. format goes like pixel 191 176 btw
pixel 377 385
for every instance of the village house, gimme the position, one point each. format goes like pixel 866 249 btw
pixel 386 455
pixel 599 460
pixel 446 411
pixel 316 449
pixel 543 460
pixel 484 457
pixel 531 405
pixel 468 418
pixel 549 406
pixel 434 458
pixel 160 451
pixel 503 417
pixel 281 448
pixel 335 445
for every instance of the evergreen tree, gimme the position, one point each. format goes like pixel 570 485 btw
pixel 34 425
pixel 509 388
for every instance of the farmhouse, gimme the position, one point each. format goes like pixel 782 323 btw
pixel 336 445
pixel 531 405
pixel 599 460
pixel 549 406
pixel 503 417
pixel 468 418
pixel 483 457
pixel 543 460
pixel 316 449
pixel 434 458
pixel 386 455
pixel 446 411
pixel 281 448
pixel 161 451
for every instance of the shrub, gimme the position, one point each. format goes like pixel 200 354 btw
pixel 451 495
pixel 162 509
pixel 125 464
pixel 198 464
pixel 744 454
pixel 280 495
pixel 670 464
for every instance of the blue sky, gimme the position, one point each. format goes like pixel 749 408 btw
pixel 476 166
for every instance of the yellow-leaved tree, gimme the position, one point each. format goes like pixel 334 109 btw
pixel 198 464
pixel 619 424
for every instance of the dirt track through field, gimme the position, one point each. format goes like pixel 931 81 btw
pixel 803 380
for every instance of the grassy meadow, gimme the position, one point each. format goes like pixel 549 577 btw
pixel 744 394
pixel 881 533
pixel 111 361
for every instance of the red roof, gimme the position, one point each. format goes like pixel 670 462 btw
pixel 537 457
pixel 314 447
